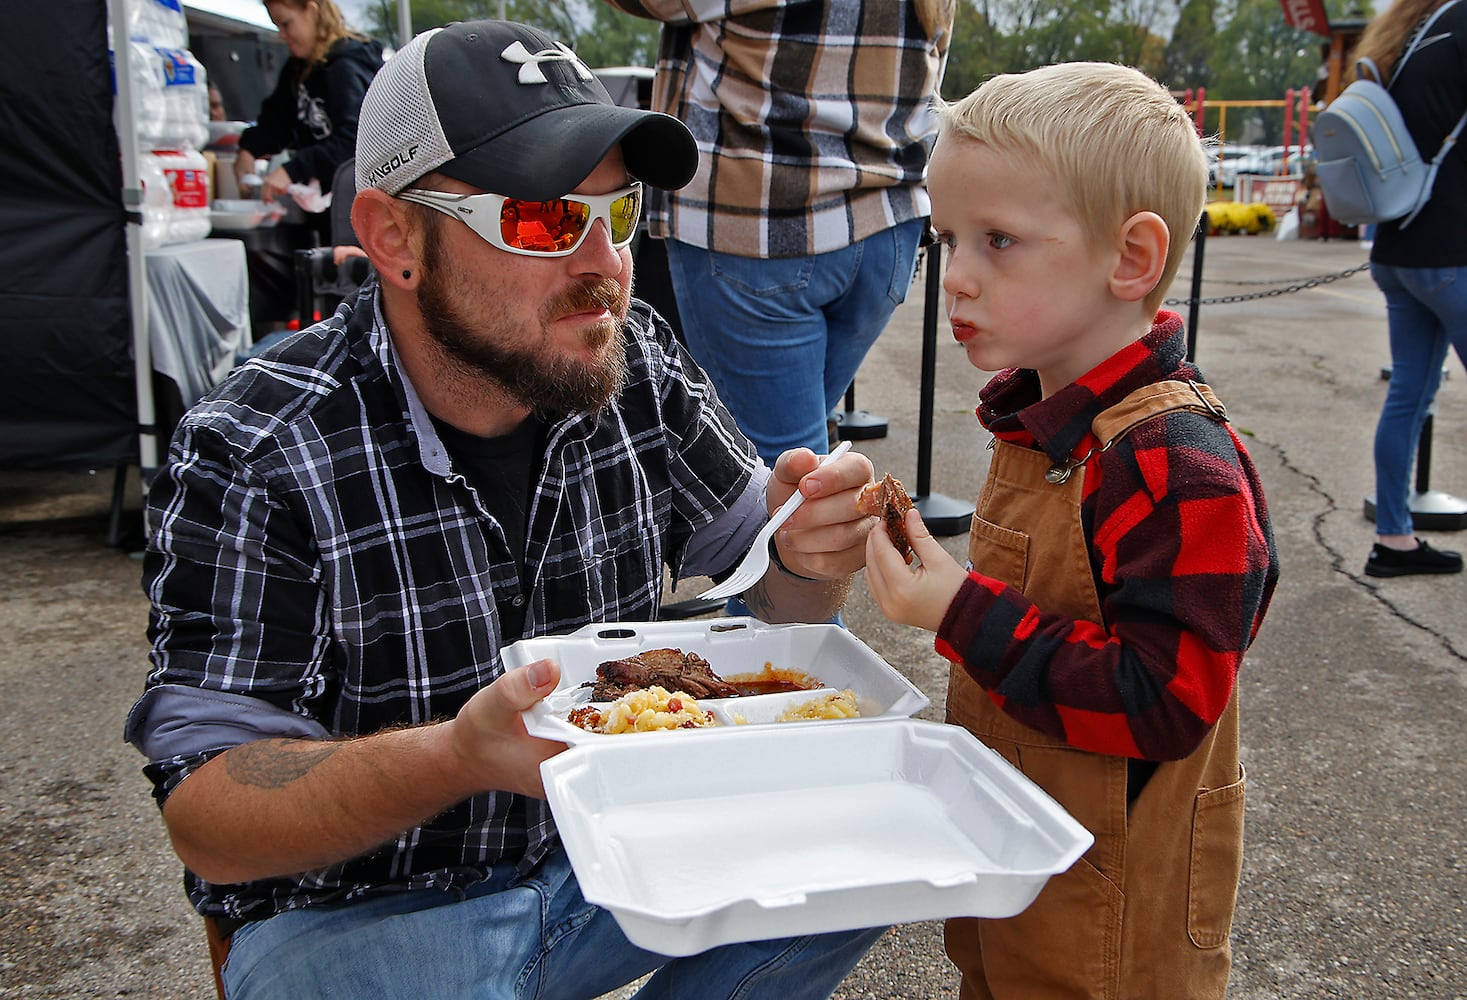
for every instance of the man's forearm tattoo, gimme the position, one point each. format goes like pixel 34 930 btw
pixel 276 763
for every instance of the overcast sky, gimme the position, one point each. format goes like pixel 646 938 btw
pixel 355 11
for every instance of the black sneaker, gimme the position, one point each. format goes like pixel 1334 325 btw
pixel 1385 561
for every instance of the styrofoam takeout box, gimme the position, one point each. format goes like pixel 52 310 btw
pixel 732 646
pixel 702 837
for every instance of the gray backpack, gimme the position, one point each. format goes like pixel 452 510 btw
pixel 1367 164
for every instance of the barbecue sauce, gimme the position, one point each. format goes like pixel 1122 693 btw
pixel 771 681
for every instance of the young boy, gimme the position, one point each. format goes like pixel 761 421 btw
pixel 1122 557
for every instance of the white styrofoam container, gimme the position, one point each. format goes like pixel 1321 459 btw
pixel 738 836
pixel 731 646
pixel 700 837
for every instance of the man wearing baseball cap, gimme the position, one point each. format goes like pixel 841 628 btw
pixel 491 441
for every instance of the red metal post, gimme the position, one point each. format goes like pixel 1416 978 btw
pixel 1283 167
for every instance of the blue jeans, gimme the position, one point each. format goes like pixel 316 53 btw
pixel 511 939
pixel 1426 308
pixel 782 338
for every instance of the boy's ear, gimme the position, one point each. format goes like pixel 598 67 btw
pixel 1141 256
pixel 383 227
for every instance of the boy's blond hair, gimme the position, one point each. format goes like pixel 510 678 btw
pixel 1114 137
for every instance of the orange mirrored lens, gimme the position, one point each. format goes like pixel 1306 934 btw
pixel 543 226
pixel 559 224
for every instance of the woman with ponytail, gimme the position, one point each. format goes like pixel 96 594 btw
pixel 313 110
pixel 1422 267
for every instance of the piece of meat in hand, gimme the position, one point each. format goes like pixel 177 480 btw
pixel 887 499
pixel 668 668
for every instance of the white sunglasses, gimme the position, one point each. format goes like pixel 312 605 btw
pixel 553 228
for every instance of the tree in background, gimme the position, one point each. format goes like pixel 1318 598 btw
pixel 1138 30
pixel 600 35
pixel 1011 36
pixel 1240 50
pixel 1189 53
pixel 1259 56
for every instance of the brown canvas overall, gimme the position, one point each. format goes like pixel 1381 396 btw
pixel 1146 912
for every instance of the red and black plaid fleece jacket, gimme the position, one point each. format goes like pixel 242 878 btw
pixel 1183 557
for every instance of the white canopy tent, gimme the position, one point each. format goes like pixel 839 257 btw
pixel 252 12
pixel 234 13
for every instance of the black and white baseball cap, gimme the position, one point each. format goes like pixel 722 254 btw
pixel 508 109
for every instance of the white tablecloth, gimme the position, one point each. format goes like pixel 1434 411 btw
pixel 198 312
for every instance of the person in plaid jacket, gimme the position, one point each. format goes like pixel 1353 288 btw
pixel 1121 558
pixel 798 236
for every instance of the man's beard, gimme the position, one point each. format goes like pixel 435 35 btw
pixel 533 376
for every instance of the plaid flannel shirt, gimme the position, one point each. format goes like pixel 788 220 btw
pixel 317 568
pixel 1182 553
pixel 813 119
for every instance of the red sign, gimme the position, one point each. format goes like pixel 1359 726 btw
pixel 1307 15
pixel 1279 193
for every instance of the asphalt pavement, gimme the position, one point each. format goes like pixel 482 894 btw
pixel 1355 869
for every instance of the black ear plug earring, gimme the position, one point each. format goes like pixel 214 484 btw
pixel 406 273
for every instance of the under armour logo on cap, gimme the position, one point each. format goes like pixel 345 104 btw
pixel 529 62
pixel 504 107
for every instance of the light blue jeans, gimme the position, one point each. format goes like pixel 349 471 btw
pixel 782 338
pixel 1426 308
pixel 510 939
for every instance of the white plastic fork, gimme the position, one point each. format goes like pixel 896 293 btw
pixel 756 563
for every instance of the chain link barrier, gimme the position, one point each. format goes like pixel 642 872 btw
pixel 1291 285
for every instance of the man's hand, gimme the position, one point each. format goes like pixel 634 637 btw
pixel 822 543
pixel 826 538
pixel 489 735
pixel 912 595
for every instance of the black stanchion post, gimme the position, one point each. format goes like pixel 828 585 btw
pixel 852 424
pixel 942 515
pixel 1423 455
pixel 1199 248
pixel 1431 510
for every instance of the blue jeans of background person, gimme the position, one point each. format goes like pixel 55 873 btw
pixel 1426 308
pixel 511 939
pixel 782 338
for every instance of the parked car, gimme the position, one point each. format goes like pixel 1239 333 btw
pixel 1224 166
pixel 1263 160
pixel 1273 160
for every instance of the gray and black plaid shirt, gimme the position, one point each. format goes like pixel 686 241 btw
pixel 317 568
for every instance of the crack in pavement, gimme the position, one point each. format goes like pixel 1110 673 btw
pixel 1337 559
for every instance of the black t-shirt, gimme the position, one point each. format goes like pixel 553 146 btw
pixel 502 471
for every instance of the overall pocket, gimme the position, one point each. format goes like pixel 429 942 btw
pixel 1216 864
pixel 1005 552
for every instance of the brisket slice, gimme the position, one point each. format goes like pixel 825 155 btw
pixel 668 668
pixel 888 500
